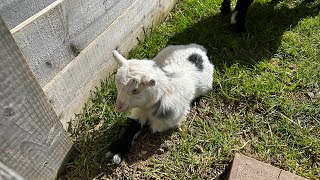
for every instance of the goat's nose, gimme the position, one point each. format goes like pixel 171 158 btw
pixel 119 105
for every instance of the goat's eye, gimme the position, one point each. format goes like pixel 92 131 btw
pixel 135 91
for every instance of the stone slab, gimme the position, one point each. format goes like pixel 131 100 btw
pixel 245 168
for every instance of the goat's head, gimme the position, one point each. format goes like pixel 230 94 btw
pixel 133 82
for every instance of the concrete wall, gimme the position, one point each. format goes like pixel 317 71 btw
pixel 68 44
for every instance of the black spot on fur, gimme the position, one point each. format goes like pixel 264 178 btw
pixel 197 60
pixel 161 112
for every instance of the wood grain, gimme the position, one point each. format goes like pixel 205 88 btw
pixel 8 174
pixel 33 142
pixel 14 12
pixel 52 38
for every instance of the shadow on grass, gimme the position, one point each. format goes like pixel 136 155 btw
pixel 148 144
pixel 88 159
pixel 266 24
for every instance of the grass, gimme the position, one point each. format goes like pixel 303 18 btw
pixel 265 102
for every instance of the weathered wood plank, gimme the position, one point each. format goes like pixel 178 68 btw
pixel 8 174
pixel 70 88
pixel 15 12
pixel 32 140
pixel 50 39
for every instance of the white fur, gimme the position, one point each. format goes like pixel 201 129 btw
pixel 233 17
pixel 116 159
pixel 170 77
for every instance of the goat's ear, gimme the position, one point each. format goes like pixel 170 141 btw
pixel 120 59
pixel 147 81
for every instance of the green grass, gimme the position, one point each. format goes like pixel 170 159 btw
pixel 265 102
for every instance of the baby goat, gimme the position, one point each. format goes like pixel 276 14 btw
pixel 159 92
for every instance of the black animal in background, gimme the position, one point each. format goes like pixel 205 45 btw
pixel 238 17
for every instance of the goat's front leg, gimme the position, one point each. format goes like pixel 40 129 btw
pixel 225 7
pixel 121 147
pixel 239 15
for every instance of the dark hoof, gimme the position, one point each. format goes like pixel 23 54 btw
pixel 237 28
pixel 117 151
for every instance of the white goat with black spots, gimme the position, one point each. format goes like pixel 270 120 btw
pixel 159 92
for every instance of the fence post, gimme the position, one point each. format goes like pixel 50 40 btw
pixel 33 142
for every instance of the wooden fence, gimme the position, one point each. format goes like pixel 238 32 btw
pixel 68 43
pixel 33 143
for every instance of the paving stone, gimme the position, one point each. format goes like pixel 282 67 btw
pixel 246 168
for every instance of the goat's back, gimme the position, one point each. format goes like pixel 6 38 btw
pixel 189 65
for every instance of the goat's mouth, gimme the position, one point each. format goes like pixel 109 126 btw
pixel 121 109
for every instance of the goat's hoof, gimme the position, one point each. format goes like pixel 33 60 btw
pixel 116 158
pixel 237 28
